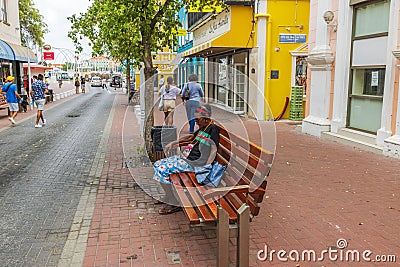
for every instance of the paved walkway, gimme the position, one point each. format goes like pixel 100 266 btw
pixel 318 192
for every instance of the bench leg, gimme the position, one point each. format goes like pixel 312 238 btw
pixel 243 236
pixel 223 238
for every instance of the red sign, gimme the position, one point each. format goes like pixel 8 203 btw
pixel 48 55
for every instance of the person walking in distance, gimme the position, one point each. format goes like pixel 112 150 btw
pixel 83 84
pixel 12 97
pixel 104 83
pixel 39 89
pixel 168 93
pixel 77 85
pixel 192 94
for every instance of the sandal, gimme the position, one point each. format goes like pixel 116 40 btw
pixel 169 209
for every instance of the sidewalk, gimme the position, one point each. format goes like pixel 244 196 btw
pixel 68 91
pixel 319 191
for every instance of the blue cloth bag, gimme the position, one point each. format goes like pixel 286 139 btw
pixel 210 174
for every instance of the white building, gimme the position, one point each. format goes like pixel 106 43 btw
pixel 354 70
pixel 12 54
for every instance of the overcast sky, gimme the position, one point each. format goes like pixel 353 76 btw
pixel 55 13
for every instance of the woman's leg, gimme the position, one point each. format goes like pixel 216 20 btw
pixel 193 106
pixel 170 119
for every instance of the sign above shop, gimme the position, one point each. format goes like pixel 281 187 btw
pixel 292 38
pixel 212 29
pixel 206 8
pixel 48 55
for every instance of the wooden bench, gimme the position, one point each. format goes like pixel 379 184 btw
pixel 3 102
pixel 235 202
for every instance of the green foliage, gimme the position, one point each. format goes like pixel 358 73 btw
pixel 127 29
pixel 32 25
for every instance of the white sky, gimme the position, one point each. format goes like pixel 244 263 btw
pixel 55 13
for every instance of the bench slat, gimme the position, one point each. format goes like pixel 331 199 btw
pixel 180 191
pixel 199 202
pixel 253 148
pixel 231 212
pixel 247 157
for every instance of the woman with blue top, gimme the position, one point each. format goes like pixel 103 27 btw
pixel 196 94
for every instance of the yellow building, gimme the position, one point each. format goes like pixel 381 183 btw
pixel 254 53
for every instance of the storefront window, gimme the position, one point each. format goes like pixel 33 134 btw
pixel 371 23
pixel 368 82
pixel 372 18
pixel 221 78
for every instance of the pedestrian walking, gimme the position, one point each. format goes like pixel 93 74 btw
pixel 201 151
pixel 192 94
pixel 77 85
pixel 83 84
pixel 10 90
pixel 168 94
pixel 104 83
pixel 161 82
pixel 39 89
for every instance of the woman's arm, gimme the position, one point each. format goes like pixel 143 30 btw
pixel 175 144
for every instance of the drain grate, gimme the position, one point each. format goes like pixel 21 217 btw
pixel 73 115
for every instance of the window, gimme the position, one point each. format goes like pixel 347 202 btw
pixel 368 82
pixel 4 10
pixel 372 19
pixel 371 26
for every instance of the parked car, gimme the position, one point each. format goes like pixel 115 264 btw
pixel 96 81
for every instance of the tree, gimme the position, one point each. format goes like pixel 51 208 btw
pixel 32 26
pixel 127 29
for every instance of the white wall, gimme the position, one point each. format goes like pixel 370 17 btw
pixel 9 31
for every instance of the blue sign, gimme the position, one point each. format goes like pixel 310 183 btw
pixel 292 38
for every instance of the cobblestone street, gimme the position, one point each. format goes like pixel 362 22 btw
pixel 43 174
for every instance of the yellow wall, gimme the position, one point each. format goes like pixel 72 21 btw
pixel 241 25
pixel 284 14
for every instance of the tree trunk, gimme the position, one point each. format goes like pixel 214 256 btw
pixel 149 72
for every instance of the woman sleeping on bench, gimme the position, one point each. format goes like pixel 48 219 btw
pixel 201 151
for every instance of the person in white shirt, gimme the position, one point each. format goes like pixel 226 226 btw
pixel 104 83
pixel 168 93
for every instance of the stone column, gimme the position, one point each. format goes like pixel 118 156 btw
pixel 342 66
pixel 320 59
pixel 391 145
pixel 262 51
pixel 386 119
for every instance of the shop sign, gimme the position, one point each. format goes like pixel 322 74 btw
pixel 292 38
pixel 212 29
pixel 48 55
pixel 374 78
pixel 164 67
pixel 206 8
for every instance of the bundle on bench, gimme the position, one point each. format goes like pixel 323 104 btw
pixel 236 201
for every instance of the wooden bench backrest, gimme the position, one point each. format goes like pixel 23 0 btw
pixel 248 164
pixel 3 102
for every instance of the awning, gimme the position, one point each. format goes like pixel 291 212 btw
pixel 6 51
pixel 21 53
pixel 208 49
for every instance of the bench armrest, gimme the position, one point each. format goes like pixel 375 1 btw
pixel 221 191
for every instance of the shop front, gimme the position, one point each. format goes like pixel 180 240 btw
pixel 220 58
pixel 12 57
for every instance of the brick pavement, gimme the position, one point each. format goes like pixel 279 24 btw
pixel 318 191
